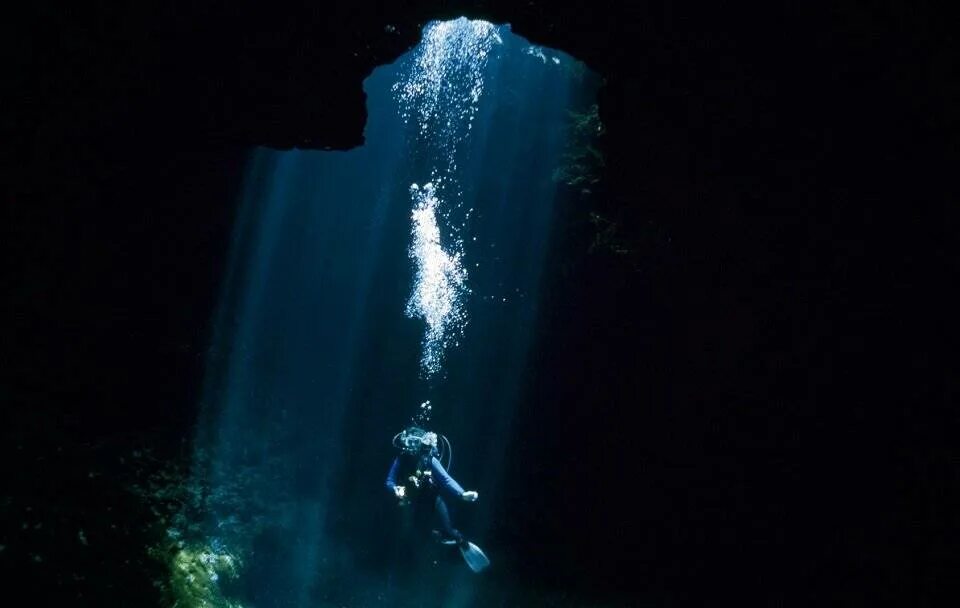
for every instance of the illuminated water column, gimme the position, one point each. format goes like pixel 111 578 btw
pixel 360 283
pixel 439 94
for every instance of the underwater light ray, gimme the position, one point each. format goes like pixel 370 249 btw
pixel 299 372
pixel 441 91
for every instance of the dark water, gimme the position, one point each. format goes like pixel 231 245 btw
pixel 316 362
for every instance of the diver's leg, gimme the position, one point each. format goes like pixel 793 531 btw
pixel 446 526
pixel 471 553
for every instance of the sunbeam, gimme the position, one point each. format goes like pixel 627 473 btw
pixel 361 283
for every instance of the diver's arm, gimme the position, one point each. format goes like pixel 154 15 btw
pixel 449 483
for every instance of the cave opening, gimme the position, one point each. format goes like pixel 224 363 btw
pixel 361 283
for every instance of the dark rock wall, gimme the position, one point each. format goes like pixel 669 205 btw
pixel 768 358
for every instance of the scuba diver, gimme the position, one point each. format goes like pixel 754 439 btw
pixel 417 477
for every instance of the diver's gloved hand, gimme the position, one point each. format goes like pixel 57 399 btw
pixel 399 491
pixel 470 496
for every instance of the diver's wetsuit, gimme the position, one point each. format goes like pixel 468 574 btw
pixel 427 497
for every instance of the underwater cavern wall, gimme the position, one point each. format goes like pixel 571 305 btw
pixel 751 160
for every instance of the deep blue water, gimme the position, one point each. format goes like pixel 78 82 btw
pixel 316 362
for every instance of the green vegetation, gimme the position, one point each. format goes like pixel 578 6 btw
pixel 581 169
pixel 196 572
pixel 189 499
pixel 582 164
